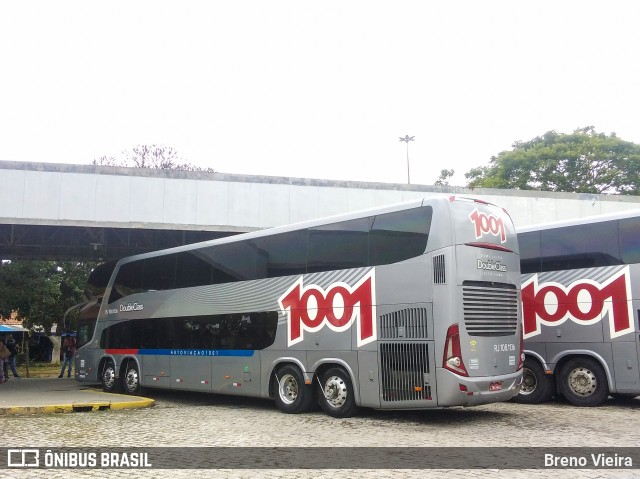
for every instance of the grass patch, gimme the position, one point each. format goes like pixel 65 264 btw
pixel 38 370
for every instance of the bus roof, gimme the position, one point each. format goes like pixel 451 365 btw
pixel 429 200
pixel 579 221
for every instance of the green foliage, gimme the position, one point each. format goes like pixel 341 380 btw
pixel 445 176
pixel 41 291
pixel 584 161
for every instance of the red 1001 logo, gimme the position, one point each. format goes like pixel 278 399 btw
pixel 488 224
pixel 311 308
pixel 584 302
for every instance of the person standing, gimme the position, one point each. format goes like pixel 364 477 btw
pixel 11 345
pixel 69 350
pixel 4 353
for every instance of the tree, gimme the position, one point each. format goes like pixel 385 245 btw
pixel 584 161
pixel 445 176
pixel 107 161
pixel 41 291
pixel 150 156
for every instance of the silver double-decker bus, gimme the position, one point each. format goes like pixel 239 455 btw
pixel 581 297
pixel 414 306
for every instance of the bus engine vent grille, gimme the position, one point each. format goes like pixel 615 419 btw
pixel 439 270
pixel 490 309
pixel 410 323
pixel 405 371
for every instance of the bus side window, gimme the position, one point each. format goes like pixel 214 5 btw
pixel 194 268
pixel 629 245
pixel 338 246
pixel 399 236
pixel 282 255
pixel 234 262
pixel 128 281
pixel 581 246
pixel 159 273
pixel 529 244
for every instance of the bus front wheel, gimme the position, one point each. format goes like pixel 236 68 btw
pixel 537 387
pixel 131 379
pixel 292 396
pixel 337 397
pixel 583 382
pixel 108 378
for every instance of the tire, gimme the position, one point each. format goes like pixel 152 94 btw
pixel 336 395
pixel 108 378
pixel 583 382
pixel 131 379
pixel 537 387
pixel 292 395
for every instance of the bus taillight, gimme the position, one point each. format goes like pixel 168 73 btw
pixel 452 359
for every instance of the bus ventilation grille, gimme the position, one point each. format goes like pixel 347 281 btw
pixel 439 270
pixel 490 309
pixel 405 371
pixel 410 323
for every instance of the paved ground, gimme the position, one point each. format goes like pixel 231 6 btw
pixel 26 395
pixel 182 421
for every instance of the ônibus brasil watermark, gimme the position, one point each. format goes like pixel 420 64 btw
pixel 321 458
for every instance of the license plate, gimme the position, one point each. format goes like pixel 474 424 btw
pixel 495 386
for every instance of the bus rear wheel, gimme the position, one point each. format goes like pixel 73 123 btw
pixel 108 377
pixel 292 395
pixel 131 379
pixel 583 382
pixel 537 387
pixel 337 397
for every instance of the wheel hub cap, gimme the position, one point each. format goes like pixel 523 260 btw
pixel 335 391
pixel 582 381
pixel 109 377
pixel 528 382
pixel 288 389
pixel 132 380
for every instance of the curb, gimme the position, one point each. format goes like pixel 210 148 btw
pixel 138 403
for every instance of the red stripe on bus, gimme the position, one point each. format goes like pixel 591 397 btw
pixel 121 351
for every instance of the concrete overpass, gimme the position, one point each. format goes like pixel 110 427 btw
pixel 50 210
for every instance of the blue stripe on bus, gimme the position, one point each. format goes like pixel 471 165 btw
pixel 196 352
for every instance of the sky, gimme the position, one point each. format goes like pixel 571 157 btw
pixel 313 89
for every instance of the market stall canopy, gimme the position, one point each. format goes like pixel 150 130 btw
pixel 11 328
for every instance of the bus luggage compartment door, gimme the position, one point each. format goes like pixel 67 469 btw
pixel 156 370
pixel 236 372
pixel 625 361
pixel 191 372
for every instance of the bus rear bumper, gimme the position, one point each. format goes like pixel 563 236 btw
pixel 454 390
pixel 86 378
pixel 84 373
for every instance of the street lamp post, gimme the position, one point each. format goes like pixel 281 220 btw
pixel 407 139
